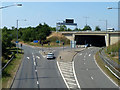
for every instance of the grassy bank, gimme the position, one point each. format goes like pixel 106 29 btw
pixel 102 66
pixel 113 51
pixel 9 72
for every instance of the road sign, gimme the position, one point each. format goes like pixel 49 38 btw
pixel 17 42
pixel 73 44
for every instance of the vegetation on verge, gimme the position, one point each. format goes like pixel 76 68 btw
pixel 113 51
pixel 9 72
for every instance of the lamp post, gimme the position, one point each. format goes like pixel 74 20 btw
pixel 17 32
pixel 86 20
pixel 11 6
pixel 106 30
pixel 118 15
pixel 112 8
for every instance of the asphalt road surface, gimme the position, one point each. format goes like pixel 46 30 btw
pixel 87 72
pixel 37 72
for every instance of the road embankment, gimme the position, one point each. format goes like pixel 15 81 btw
pixel 104 68
pixel 8 74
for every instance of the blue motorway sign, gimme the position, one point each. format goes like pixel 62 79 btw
pixel 17 42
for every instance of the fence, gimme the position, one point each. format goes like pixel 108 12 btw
pixel 8 62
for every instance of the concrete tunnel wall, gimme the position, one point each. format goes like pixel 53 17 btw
pixel 95 40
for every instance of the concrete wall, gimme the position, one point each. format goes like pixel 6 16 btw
pixel 114 38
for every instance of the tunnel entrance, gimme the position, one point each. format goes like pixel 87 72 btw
pixel 94 40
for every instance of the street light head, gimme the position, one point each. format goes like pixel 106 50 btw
pixel 109 8
pixel 19 4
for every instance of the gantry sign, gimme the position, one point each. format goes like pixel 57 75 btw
pixel 66 22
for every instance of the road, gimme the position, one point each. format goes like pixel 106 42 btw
pixel 37 72
pixel 88 73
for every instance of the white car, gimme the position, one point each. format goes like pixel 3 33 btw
pixel 50 56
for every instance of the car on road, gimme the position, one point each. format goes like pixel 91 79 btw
pixel 86 45
pixel 50 55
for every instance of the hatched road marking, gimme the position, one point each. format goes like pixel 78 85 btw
pixel 68 74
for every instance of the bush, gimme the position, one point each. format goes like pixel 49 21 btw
pixel 53 39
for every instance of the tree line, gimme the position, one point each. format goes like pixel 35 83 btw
pixel 28 34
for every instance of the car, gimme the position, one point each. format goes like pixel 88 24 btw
pixel 50 55
pixel 86 45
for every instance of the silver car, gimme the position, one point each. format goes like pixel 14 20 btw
pixel 50 56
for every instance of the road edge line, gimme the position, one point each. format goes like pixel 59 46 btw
pixel 62 75
pixel 105 73
pixel 75 75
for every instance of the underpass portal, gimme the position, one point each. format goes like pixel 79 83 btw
pixel 94 40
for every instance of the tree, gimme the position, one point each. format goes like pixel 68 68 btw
pixel 63 28
pixel 97 28
pixel 86 28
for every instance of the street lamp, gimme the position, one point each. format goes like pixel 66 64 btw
pixel 86 20
pixel 112 8
pixel 11 6
pixel 17 33
pixel 106 29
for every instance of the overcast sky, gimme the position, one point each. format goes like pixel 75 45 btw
pixel 52 12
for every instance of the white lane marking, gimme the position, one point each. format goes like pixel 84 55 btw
pixel 75 75
pixel 34 59
pixel 28 57
pixel 84 56
pixel 84 63
pixel 104 72
pixel 80 54
pixel 72 83
pixel 35 70
pixel 69 79
pixel 34 63
pixel 37 82
pixel 62 75
pixel 91 77
pixel 87 69
pixel 38 57
pixel 89 54
pixel 44 56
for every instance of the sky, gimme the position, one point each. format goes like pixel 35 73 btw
pixel 52 12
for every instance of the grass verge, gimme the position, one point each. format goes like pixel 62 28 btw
pixel 102 66
pixel 10 71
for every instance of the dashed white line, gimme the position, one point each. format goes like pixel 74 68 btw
pixel 37 82
pixel 84 63
pixel 34 63
pixel 91 77
pixel 28 57
pixel 89 54
pixel 80 54
pixel 35 70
